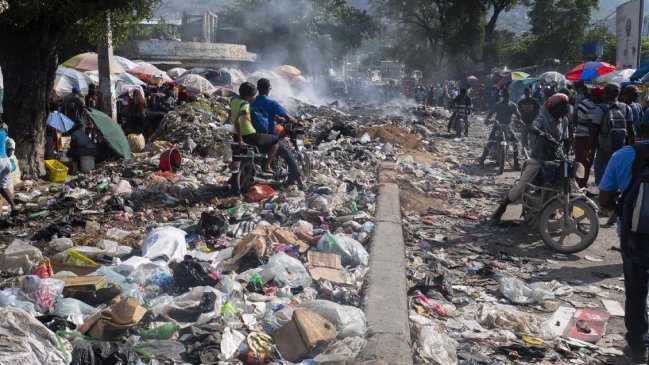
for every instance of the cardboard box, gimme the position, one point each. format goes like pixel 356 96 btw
pixel 112 322
pixel 304 332
pixel 92 283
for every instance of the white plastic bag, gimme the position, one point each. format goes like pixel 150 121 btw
pixel 230 342
pixel 349 321
pixel 351 251
pixel 437 346
pixel 521 293
pixel 20 258
pixel 285 271
pixel 74 310
pixel 165 241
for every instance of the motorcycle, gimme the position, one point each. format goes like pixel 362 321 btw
pixel 501 150
pixel 567 220
pixel 247 160
pixel 461 119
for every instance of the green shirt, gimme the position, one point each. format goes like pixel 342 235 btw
pixel 238 107
pixel 504 111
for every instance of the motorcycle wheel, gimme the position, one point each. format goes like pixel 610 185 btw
pixel 242 180
pixel 305 166
pixel 502 154
pixel 575 235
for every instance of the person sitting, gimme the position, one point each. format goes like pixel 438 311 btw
pixel 245 131
pixel 265 110
pixel 81 144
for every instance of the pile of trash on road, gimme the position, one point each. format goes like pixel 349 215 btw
pixel 135 264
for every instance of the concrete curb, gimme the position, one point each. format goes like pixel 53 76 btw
pixel 385 302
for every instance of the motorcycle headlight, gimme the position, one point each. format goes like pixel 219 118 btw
pixel 579 170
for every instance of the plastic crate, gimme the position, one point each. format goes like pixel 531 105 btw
pixel 56 171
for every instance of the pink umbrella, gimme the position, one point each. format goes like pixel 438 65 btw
pixel 145 71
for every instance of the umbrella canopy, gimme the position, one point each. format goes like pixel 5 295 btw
pixel 129 79
pixel 176 72
pixel 518 75
pixel 125 62
pixel 112 133
pixel 145 71
pixel 517 88
pixel 615 77
pixel 88 62
pixel 60 122
pixel 472 80
pixel 73 78
pixel 552 77
pixel 195 84
pixel 288 71
pixel 589 71
pixel 641 71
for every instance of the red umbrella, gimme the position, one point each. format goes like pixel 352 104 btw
pixel 589 71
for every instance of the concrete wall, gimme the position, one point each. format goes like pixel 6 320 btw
pixel 174 50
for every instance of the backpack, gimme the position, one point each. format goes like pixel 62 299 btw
pixel 612 135
pixel 633 206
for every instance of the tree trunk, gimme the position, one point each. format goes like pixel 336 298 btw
pixel 29 61
pixel 489 34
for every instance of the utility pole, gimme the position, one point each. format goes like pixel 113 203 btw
pixel 105 60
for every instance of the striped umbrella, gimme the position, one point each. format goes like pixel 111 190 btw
pixel 89 62
pixel 589 71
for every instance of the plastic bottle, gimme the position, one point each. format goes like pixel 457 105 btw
pixel 256 279
pixel 38 214
pixel 103 184
pixel 164 332
pixel 353 207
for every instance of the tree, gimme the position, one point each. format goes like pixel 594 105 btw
pixel 308 34
pixel 30 35
pixel 490 47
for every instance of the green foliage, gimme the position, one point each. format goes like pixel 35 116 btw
pixel 157 30
pixel 300 32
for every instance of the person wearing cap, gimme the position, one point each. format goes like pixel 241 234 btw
pixel 630 97
pixel 599 156
pixel 581 124
pixel 6 169
pixel 552 122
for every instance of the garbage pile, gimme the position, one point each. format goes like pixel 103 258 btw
pixel 472 298
pixel 134 264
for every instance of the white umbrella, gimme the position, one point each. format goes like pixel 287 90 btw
pixel 125 62
pixel 176 72
pixel 615 77
pixel 195 84
pixel 75 78
pixel 552 76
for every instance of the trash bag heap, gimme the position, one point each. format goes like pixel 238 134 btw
pixel 131 264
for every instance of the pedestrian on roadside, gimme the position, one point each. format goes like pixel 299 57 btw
pixel 529 109
pixel 630 97
pixel 6 170
pixel 627 169
pixel 611 126
pixel 581 126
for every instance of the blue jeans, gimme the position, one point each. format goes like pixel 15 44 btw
pixel 601 161
pixel 287 156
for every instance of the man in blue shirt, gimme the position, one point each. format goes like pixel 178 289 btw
pixel 264 111
pixel 635 257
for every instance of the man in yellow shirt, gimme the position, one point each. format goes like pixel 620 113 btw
pixel 241 119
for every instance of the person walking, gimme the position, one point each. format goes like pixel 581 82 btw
pixel 529 108
pixel 585 110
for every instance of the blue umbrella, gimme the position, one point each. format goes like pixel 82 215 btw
pixel 60 122
pixel 641 71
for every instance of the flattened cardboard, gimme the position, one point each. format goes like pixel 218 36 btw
pixel 92 283
pixel 327 266
pixel 595 320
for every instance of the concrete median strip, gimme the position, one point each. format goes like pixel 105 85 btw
pixel 385 301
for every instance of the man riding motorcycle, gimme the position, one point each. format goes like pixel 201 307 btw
pixel 462 100
pixel 552 122
pixel 504 112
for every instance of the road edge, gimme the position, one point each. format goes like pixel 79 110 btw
pixel 385 300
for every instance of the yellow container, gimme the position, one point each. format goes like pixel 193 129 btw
pixel 56 171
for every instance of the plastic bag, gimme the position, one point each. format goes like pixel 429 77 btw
pixel 191 273
pixel 509 318
pixel 166 242
pixel 349 321
pixel 20 258
pixel 365 138
pixel 230 342
pixel 74 310
pixel 341 352
pixel 351 251
pixel 101 352
pixel 437 346
pixel 274 320
pixel 520 293
pixel 40 292
pixel 61 244
pixel 302 226
pixel 285 271
pixel 152 274
pixel 259 192
pixel 110 274
pixel 163 350
pixel 26 340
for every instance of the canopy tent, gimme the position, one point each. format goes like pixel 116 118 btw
pixel 89 62
pixel 195 84
pixel 145 71
pixel 517 88
pixel 615 77
pixel 226 76
pixel 112 133
pixel 176 72
pixel 589 71
pixel 60 122
pixel 552 77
